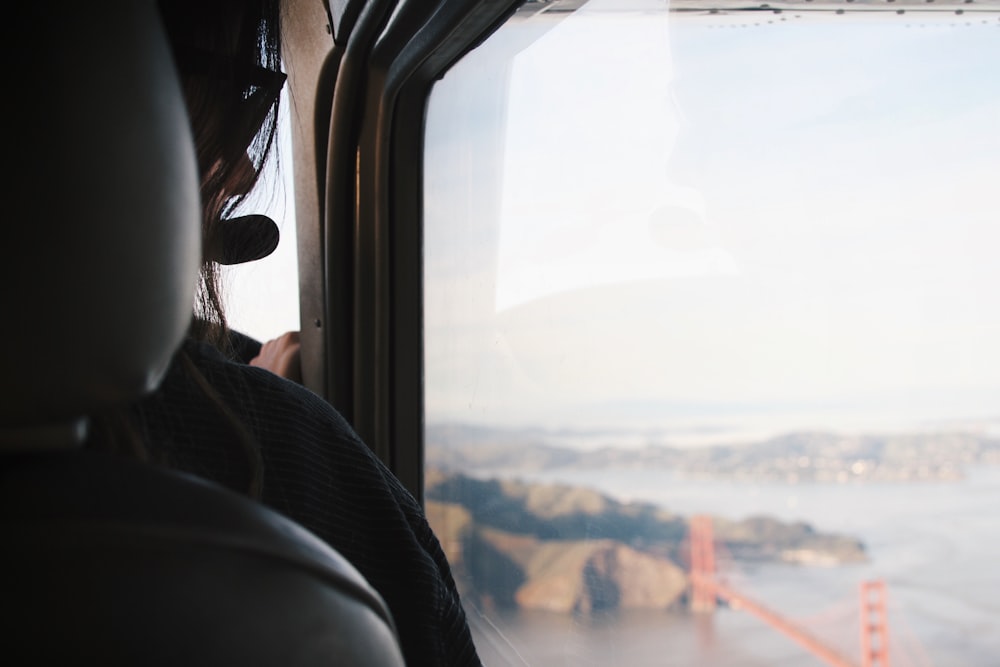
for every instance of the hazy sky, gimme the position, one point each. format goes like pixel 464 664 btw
pixel 692 222
pixel 262 297
pixel 701 221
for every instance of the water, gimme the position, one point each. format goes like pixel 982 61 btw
pixel 936 545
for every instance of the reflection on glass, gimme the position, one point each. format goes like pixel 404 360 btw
pixel 737 266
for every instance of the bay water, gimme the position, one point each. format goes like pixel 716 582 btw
pixel 935 544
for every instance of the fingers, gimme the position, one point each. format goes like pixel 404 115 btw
pixel 281 356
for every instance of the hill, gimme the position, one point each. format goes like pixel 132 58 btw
pixel 570 549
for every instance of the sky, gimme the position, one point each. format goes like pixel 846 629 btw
pixel 778 225
pixel 261 297
pixel 636 221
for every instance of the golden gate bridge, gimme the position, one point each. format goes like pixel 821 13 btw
pixel 708 588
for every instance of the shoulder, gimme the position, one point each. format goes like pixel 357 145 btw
pixel 312 457
pixel 258 394
pixel 309 451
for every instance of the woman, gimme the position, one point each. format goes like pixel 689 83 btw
pixel 244 426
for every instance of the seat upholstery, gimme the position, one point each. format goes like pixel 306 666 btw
pixel 107 560
pixel 120 563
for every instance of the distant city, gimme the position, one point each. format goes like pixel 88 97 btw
pixel 807 456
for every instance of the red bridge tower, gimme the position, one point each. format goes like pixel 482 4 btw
pixel 874 625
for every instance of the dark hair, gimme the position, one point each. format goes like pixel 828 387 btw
pixel 228 54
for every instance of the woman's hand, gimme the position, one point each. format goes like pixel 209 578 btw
pixel 281 356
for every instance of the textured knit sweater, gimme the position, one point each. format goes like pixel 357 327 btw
pixel 317 472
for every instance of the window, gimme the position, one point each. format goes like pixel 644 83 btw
pixel 739 264
pixel 263 295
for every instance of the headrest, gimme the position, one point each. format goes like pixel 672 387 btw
pixel 102 241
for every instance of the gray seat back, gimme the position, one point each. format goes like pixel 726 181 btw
pixel 107 560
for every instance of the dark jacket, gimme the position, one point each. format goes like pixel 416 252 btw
pixel 317 472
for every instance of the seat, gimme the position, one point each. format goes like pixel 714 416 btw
pixel 121 563
pixel 107 560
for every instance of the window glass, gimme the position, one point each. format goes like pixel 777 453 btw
pixel 262 296
pixel 740 266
